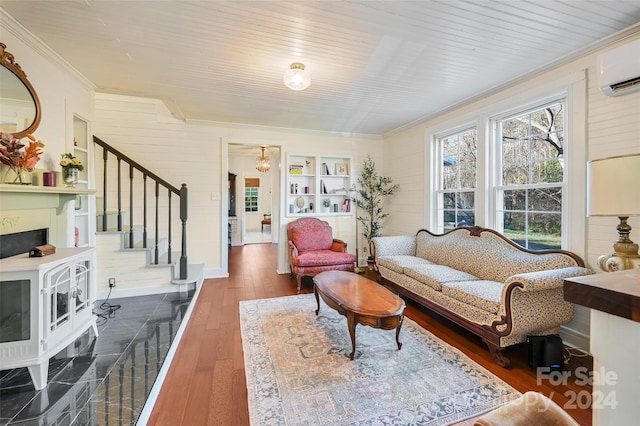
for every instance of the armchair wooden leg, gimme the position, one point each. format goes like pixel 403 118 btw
pixel 299 279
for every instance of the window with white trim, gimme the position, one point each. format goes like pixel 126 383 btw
pixel 456 160
pixel 251 194
pixel 530 176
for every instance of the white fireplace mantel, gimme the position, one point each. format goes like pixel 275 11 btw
pixel 27 207
pixel 35 189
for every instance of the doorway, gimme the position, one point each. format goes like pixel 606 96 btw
pixel 256 194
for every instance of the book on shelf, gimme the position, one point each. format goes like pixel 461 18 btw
pixel 325 169
pixel 346 205
pixel 295 169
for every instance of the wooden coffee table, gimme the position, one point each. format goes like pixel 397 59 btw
pixel 361 300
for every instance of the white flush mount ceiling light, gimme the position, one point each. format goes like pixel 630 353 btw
pixel 296 78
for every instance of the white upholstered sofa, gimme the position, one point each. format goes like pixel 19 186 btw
pixel 482 281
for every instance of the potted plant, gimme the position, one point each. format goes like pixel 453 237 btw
pixel 369 197
pixel 326 203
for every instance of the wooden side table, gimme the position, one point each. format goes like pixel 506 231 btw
pixel 614 299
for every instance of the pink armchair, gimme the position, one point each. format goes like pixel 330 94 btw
pixel 312 249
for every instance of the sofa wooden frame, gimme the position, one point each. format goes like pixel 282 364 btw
pixel 490 334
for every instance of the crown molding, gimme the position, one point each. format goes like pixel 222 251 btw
pixel 9 24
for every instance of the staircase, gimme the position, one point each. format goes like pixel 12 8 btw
pixel 142 257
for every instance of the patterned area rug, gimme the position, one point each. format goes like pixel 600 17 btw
pixel 298 371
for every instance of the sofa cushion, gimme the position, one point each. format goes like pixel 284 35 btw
pixel 487 256
pixel 399 262
pixel 482 294
pixel 435 275
pixel 324 258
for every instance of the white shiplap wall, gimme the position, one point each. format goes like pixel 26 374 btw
pixel 612 128
pixel 196 153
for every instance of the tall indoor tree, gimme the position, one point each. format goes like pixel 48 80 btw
pixel 372 189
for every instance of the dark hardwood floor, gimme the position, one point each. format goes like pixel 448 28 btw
pixel 206 382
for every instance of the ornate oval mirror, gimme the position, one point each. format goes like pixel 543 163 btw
pixel 19 104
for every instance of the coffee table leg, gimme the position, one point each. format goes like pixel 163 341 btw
pixel 398 332
pixel 351 323
pixel 315 291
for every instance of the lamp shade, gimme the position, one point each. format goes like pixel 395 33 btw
pixel 613 186
pixel 297 78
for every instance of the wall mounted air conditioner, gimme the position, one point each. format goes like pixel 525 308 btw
pixel 619 70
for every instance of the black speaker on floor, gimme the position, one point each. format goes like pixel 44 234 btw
pixel 545 351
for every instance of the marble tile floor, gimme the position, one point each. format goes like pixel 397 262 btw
pixel 103 380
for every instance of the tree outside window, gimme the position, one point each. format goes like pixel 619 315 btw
pixel 531 175
pixel 457 162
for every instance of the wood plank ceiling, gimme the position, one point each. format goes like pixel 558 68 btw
pixel 375 65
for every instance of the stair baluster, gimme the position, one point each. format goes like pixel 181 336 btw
pixel 144 210
pixel 105 157
pixel 169 228
pixel 119 196
pixel 157 219
pixel 183 218
pixel 131 222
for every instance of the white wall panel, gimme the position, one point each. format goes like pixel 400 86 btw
pixel 193 153
pixel 612 128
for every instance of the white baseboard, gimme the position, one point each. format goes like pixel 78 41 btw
pixel 575 339
pixel 215 273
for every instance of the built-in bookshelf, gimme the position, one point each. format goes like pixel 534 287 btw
pixel 83 206
pixel 312 179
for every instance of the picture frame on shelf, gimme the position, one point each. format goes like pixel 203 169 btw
pixel 342 169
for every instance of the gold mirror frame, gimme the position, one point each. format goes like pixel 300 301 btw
pixel 7 60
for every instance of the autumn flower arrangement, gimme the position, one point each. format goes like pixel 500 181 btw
pixel 20 157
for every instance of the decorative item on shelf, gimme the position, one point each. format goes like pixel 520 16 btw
pixel 295 169
pixel 71 168
pixel 262 162
pixel 41 251
pixel 300 202
pixel 342 169
pixel 296 77
pixel 20 158
pixel 49 179
pixel 612 191
pixel 326 203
